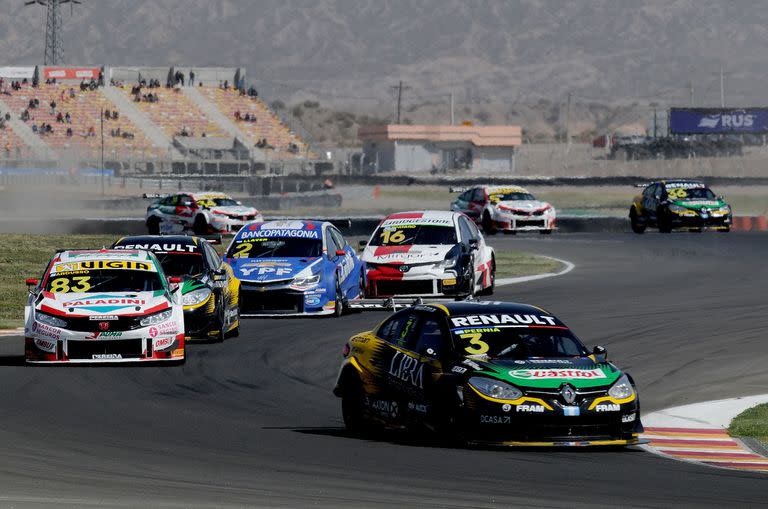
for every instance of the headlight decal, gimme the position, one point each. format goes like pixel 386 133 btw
pixel 196 297
pixel 156 318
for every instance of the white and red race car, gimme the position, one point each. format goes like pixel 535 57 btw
pixel 103 306
pixel 510 209
pixel 199 213
pixel 428 253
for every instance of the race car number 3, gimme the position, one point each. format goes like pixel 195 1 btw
pixel 476 345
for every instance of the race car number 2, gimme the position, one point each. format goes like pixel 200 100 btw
pixel 77 284
pixel 476 345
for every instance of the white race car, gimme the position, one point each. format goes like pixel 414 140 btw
pixel 428 253
pixel 507 208
pixel 103 306
pixel 199 213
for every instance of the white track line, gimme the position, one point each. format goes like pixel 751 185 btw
pixel 523 279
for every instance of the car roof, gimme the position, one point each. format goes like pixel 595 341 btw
pixel 161 242
pixel 461 308
pixel 82 255
pixel 209 195
pixel 679 181
pixel 512 188
pixel 285 224
pixel 422 216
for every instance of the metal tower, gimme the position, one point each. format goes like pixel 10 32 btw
pixel 54 50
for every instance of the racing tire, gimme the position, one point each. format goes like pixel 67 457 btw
pixel 634 222
pixel 664 222
pixel 200 226
pixel 338 308
pixel 488 224
pixel 153 226
pixel 236 331
pixel 352 407
pixel 218 338
pixel 469 277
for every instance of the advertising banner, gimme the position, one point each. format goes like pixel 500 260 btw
pixel 71 73
pixel 718 120
pixel 17 73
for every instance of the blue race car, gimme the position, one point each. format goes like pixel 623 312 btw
pixel 294 268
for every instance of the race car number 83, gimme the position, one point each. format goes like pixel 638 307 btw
pixel 65 284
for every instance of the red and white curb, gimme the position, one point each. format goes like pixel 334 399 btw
pixel 698 433
pixel 12 332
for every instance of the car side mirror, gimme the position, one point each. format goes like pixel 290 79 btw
pixel 32 282
pixel 601 351
pixel 220 275
pixel 363 244
pixel 473 244
pixel 340 252
pixel 174 282
pixel 239 202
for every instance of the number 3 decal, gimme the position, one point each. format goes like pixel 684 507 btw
pixel 477 346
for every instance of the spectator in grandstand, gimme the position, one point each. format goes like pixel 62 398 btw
pixel 71 93
pixel 24 115
pixel 252 91
pixel 83 86
pixel 7 117
pixel 115 115
pixel 52 104
pixel 191 78
pixel 59 118
pixel 69 132
pixel 101 79
pixel 226 85
pixel 91 132
pixel 237 115
pixel 107 114
pixel 31 104
pixel 67 118
pixel 34 128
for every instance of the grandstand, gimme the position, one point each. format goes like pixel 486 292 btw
pixel 143 129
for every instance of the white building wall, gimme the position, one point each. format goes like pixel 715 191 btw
pixel 493 159
pixel 416 156
pixel 379 156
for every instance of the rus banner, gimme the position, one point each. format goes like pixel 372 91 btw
pixel 718 120
pixel 71 73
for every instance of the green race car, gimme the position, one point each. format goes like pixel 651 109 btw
pixel 486 372
pixel 671 204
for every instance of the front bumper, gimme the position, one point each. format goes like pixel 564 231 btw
pixel 139 348
pixel 279 299
pixel 530 420
pixel 226 224
pixel 418 281
pixel 524 222
pixel 700 220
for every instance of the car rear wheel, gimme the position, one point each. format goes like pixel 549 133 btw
pixel 492 286
pixel 153 226
pixel 352 406
pixel 634 221
pixel 338 308
pixel 200 226
pixel 488 224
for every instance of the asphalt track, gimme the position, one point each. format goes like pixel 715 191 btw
pixel 252 422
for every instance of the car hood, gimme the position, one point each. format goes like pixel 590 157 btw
pixel 105 303
pixel 406 254
pixel 529 205
pixel 580 372
pixel 235 210
pixel 700 204
pixel 265 270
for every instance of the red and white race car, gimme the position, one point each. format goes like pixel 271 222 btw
pixel 199 213
pixel 510 209
pixel 428 253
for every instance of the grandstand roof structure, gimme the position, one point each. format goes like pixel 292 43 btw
pixel 480 136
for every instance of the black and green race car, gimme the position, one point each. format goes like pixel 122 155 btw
pixel 210 291
pixel 671 204
pixel 486 372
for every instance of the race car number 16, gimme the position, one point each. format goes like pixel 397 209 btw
pixel 395 237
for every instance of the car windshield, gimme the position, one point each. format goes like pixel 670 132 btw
pixel 104 280
pixel 518 343
pixel 181 264
pixel 224 202
pixel 511 197
pixel 693 193
pixel 271 247
pixel 413 234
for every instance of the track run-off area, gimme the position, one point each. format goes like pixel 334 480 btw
pixel 253 422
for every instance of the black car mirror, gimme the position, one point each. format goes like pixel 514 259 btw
pixel 474 244
pixel 220 275
pixel 601 351
pixel 362 244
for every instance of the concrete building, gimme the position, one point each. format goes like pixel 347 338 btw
pixel 422 148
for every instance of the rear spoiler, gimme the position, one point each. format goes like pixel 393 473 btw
pixel 459 189
pixel 395 303
pixel 212 239
pixel 153 196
